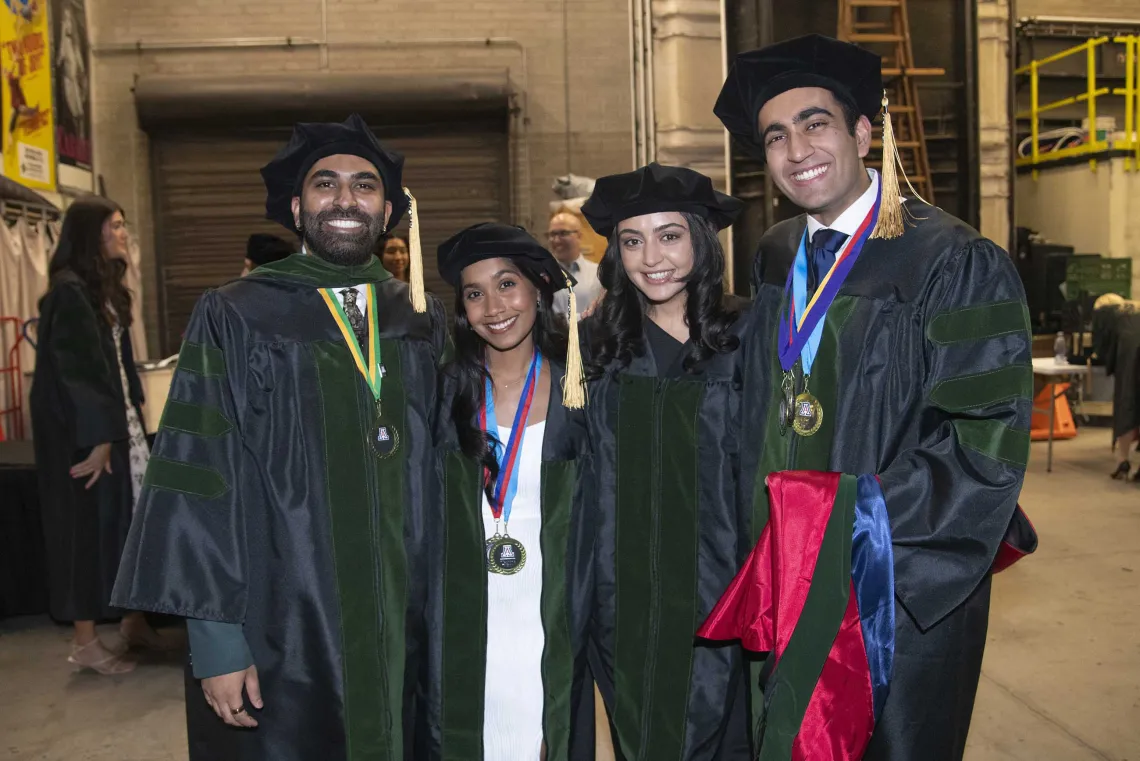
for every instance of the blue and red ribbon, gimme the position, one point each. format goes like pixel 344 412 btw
pixel 794 334
pixel 506 485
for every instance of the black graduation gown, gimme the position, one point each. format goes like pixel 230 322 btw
pixel 670 539
pixel 1117 336
pixel 265 506
pixel 924 374
pixel 77 402
pixel 457 617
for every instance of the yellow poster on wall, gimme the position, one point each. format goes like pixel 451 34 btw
pixel 28 128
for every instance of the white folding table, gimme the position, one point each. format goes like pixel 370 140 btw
pixel 1050 369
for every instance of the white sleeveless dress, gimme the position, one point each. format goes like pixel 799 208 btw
pixel 512 716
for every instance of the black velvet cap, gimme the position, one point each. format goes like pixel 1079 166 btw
pixel 491 240
pixel 312 142
pixel 262 248
pixel 656 188
pixel 853 74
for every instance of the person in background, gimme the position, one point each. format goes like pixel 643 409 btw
pixel 394 255
pixel 90 444
pixel 262 248
pixel 1116 333
pixel 511 598
pixel 565 236
pixel 664 401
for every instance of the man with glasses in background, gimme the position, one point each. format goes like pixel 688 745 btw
pixel 565 238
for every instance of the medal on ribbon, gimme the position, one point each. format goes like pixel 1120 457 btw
pixel 505 554
pixel 383 436
pixel 799 409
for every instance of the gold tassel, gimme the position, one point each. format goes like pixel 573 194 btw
pixel 574 384
pixel 890 224
pixel 415 253
pixel 892 211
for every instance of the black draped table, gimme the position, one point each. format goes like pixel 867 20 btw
pixel 23 567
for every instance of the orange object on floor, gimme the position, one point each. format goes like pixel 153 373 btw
pixel 1063 425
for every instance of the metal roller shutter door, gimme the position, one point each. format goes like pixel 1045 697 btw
pixel 209 198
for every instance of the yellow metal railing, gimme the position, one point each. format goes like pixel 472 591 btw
pixel 1092 145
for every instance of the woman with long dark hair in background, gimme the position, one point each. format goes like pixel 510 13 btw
pixel 394 256
pixel 663 408
pixel 90 443
pixel 510 598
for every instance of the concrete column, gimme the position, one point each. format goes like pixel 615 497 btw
pixel 994 72
pixel 687 75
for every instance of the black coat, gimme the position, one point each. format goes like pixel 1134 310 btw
pixel 1117 337
pixel 924 375
pixel 77 402
pixel 265 506
pixel 670 539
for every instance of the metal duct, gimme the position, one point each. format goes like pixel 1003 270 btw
pixel 172 103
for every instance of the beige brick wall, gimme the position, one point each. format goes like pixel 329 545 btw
pixel 596 139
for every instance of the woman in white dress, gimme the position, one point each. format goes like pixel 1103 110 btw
pixel 510 598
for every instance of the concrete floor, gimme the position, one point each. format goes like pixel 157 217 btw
pixel 1061 680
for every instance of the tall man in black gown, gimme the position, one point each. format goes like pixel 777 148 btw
pixel 283 507
pixel 920 367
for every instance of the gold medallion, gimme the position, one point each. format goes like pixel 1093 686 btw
pixel 505 556
pixel 808 414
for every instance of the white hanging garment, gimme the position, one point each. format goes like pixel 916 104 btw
pixel 12 264
pixel 34 281
pixel 12 268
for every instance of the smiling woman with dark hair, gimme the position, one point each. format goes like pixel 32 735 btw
pixel 661 419
pixel 511 595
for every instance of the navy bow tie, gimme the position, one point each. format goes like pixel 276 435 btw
pixel 824 245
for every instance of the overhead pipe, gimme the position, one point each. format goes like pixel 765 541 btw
pixel 215 43
pixel 1076 20
pixel 650 81
pixel 324 35
pixel 634 109
pixel 566 85
pixel 637 53
pixel 729 249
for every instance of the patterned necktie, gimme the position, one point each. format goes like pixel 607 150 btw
pixel 824 244
pixel 355 318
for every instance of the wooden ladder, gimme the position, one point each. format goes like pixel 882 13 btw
pixel 883 27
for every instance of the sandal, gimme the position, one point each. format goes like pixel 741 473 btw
pixel 97 658
pixel 1122 471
